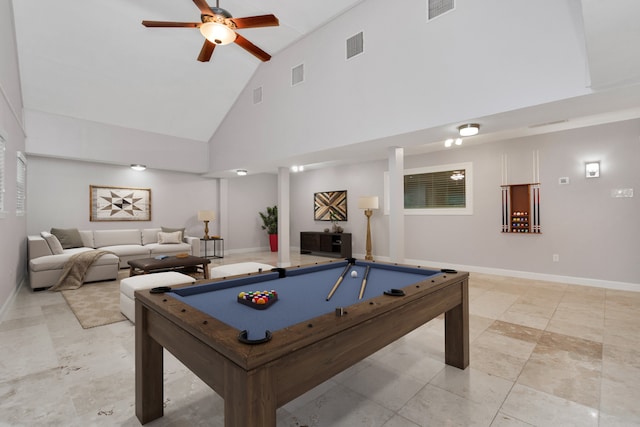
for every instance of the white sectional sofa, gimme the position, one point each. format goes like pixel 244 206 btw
pixel 47 259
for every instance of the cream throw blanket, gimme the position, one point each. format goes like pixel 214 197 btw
pixel 76 268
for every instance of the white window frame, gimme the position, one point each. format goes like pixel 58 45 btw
pixel 467 210
pixel 21 184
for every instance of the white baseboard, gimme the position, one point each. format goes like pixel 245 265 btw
pixel 12 297
pixel 571 280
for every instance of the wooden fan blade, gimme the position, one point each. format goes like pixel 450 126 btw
pixel 171 24
pixel 252 48
pixel 256 21
pixel 203 6
pixel 206 51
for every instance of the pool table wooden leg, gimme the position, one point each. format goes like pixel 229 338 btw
pixel 249 398
pixel 456 331
pixel 149 386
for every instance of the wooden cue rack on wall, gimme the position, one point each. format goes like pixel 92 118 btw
pixel 521 208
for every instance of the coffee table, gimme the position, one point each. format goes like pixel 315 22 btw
pixel 152 265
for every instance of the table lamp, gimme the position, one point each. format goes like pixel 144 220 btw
pixel 368 203
pixel 206 216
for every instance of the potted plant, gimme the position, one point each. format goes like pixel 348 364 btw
pixel 270 223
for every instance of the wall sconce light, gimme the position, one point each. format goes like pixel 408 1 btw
pixel 592 169
pixel 469 129
pixel 138 167
pixel 241 172
pixel 368 203
pixel 206 216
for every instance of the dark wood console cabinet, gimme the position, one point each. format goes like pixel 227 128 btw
pixel 336 245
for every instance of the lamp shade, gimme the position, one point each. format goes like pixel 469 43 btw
pixel 217 33
pixel 206 215
pixel 368 202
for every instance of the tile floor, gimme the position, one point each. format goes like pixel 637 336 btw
pixel 542 354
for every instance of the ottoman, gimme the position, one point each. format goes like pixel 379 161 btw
pixel 130 285
pixel 238 268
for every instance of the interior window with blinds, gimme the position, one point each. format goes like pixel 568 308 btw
pixel 438 190
pixel 21 185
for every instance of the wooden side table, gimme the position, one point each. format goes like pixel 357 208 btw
pixel 218 247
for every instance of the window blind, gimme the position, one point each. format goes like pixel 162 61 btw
pixel 435 190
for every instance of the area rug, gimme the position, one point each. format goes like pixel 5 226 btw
pixel 96 304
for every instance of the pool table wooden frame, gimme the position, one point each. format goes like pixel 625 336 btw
pixel 255 380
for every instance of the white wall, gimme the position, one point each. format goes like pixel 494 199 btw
pixel 597 237
pixel 411 79
pixel 247 196
pixel 58 195
pixel 13 252
pixel 72 138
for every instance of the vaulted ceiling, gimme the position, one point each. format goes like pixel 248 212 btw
pixel 93 60
pixel 79 58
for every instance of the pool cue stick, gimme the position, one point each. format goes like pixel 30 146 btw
pixel 335 287
pixel 364 282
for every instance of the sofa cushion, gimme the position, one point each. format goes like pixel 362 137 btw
pixel 57 262
pixel 87 238
pixel 68 237
pixel 102 238
pixel 169 238
pixel 157 248
pixel 53 242
pixel 128 250
pixel 150 235
pixel 173 230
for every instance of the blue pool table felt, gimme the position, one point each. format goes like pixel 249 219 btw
pixel 301 294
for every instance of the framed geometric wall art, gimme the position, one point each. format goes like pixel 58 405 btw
pixel 119 203
pixel 330 206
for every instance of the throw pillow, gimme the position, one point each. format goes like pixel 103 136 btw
pixel 68 237
pixel 173 230
pixel 53 242
pixel 169 238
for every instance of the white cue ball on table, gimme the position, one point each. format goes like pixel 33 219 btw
pixel 354 274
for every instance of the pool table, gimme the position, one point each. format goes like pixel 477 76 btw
pixel 258 359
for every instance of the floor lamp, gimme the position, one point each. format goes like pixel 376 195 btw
pixel 206 216
pixel 368 203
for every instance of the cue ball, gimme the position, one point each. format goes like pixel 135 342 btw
pixel 354 274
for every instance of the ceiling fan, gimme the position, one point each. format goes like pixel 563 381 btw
pixel 218 27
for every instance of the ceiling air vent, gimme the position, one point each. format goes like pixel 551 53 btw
pixel 355 45
pixel 257 95
pixel 297 75
pixel 438 7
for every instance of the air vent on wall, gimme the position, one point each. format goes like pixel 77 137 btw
pixel 257 95
pixel 355 45
pixel 297 75
pixel 438 7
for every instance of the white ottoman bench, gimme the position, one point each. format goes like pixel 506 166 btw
pixel 238 268
pixel 130 285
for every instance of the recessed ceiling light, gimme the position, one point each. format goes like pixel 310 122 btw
pixel 138 167
pixel 241 172
pixel 469 129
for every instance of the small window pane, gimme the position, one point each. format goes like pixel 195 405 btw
pixel 435 190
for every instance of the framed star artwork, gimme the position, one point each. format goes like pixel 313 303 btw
pixel 119 203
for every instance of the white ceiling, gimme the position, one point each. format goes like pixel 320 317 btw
pixel 79 58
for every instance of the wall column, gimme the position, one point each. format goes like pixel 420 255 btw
pixel 284 205
pixel 396 204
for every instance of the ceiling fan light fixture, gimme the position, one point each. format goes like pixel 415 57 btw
pixel 469 129
pixel 218 33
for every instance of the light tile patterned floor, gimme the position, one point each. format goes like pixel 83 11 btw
pixel 542 354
